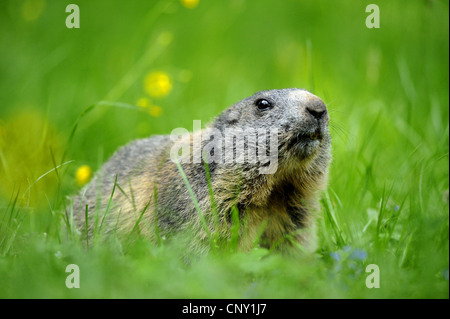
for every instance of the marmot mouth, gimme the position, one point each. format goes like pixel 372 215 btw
pixel 305 137
pixel 304 142
pixel 317 134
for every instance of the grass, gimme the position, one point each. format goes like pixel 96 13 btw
pixel 68 99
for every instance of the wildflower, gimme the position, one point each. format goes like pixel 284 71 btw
pixel 143 102
pixel 157 84
pixel 335 256
pixel 155 110
pixel 358 254
pixel 190 4
pixel 83 175
pixel 347 248
pixel 25 138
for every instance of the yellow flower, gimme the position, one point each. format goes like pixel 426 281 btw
pixel 25 161
pixel 155 110
pixel 157 84
pixel 189 3
pixel 143 102
pixel 83 175
pixel 146 104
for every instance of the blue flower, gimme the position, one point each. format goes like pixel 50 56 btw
pixel 335 256
pixel 358 254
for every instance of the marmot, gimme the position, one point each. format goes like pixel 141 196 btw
pixel 141 188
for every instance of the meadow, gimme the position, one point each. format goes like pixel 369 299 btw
pixel 70 97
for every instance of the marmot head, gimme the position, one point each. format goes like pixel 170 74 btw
pixel 300 117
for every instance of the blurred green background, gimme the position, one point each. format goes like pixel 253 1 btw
pixel 158 65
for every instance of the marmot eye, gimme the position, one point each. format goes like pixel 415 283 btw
pixel 263 104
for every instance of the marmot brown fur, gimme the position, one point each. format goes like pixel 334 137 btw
pixel 278 206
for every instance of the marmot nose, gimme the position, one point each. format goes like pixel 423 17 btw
pixel 317 110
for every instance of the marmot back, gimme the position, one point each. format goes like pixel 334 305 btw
pixel 267 156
